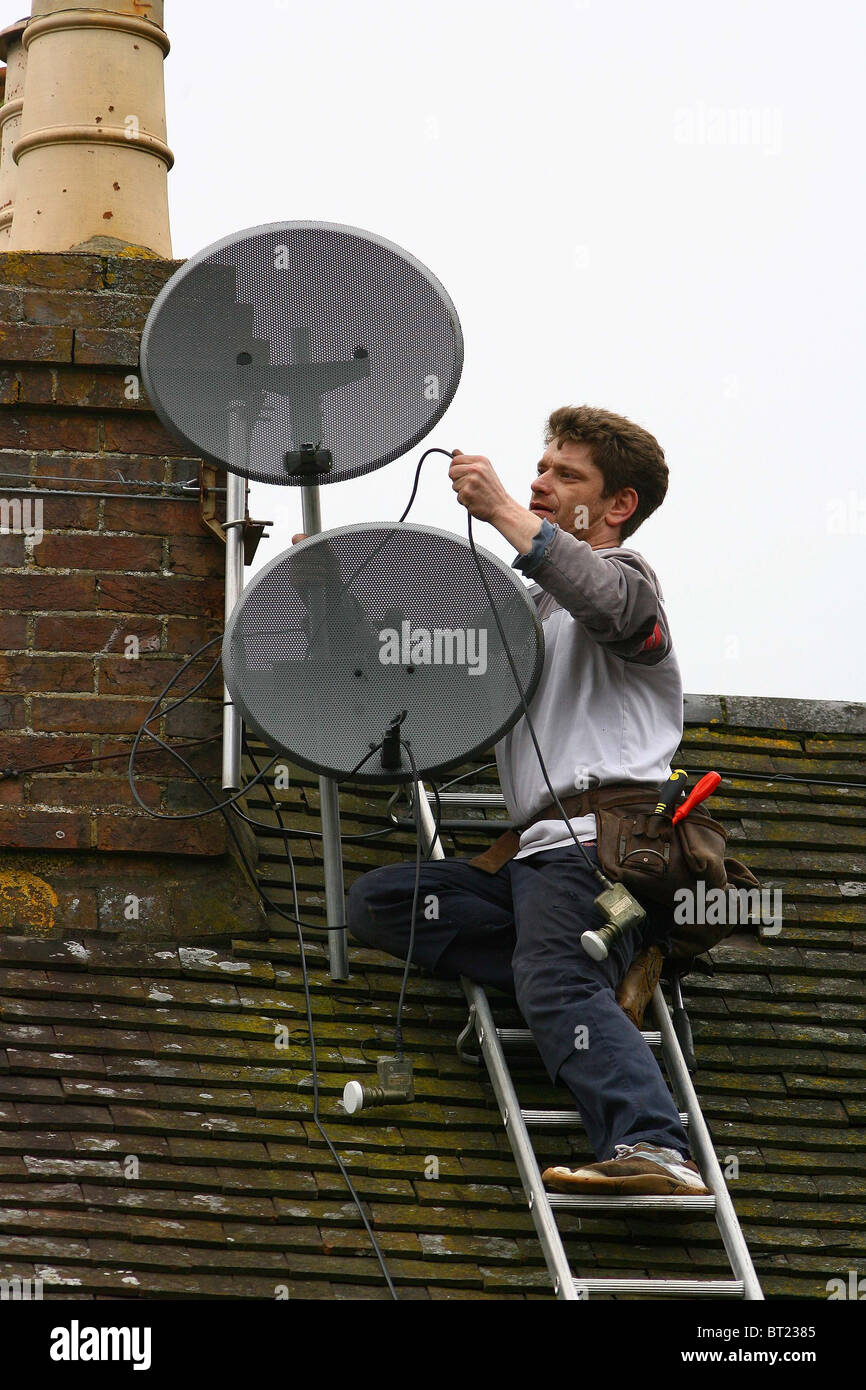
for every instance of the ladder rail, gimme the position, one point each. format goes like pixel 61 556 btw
pixel 521 1145
pixel 550 1239
pixel 699 1137
pixel 746 1284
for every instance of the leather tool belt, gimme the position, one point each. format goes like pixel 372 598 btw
pixel 584 804
pixel 650 855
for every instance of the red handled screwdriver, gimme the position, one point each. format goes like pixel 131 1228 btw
pixel 704 788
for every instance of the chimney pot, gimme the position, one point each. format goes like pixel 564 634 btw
pixel 82 62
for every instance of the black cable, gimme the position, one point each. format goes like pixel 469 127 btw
pixel 594 869
pixel 152 714
pixel 782 777
pixel 345 586
pixel 306 984
pixel 95 758
pixel 426 453
pixel 416 802
pixel 229 802
pixel 221 806
pixel 251 873
pixel 437 819
pixel 699 772
pixel 315 834
pixel 313 1053
pixel 309 834
pixel 464 776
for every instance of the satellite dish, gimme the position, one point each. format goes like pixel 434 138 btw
pixel 301 352
pixel 381 630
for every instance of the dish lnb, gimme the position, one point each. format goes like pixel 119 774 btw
pixel 396 1086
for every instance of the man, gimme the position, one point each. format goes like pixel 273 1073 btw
pixel 608 709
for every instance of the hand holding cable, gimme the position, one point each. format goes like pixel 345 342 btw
pixel 480 490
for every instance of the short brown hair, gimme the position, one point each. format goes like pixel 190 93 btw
pixel 625 455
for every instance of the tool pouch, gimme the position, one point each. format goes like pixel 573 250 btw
pixel 654 859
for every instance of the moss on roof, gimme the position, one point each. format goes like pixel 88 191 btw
pixel 155 1141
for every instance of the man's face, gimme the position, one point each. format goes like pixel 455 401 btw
pixel 568 490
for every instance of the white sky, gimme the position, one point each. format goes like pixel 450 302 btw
pixel 651 207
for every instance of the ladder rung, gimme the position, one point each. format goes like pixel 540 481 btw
pixel 566 1119
pixel 472 799
pixel 661 1288
pixel 590 1201
pixel 513 1037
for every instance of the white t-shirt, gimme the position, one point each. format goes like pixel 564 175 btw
pixel 609 705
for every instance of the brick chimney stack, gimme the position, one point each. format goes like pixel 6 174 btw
pixel 91 156
pixel 112 561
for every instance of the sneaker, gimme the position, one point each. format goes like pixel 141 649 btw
pixel 637 1169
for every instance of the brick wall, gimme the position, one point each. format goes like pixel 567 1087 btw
pixel 101 602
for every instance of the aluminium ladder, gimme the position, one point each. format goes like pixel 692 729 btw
pixel 517 1121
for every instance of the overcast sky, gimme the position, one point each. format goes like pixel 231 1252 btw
pixel 655 208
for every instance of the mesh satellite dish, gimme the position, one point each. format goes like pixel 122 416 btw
pixel 301 352
pixel 379 633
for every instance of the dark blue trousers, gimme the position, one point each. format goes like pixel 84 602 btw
pixel 519 931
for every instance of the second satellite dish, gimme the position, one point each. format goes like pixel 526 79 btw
pixel 301 352
pixel 372 634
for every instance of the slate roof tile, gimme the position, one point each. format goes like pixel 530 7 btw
pixel 165 1053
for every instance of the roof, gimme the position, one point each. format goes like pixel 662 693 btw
pixel 154 1142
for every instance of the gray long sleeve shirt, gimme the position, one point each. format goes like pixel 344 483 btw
pixel 609 706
